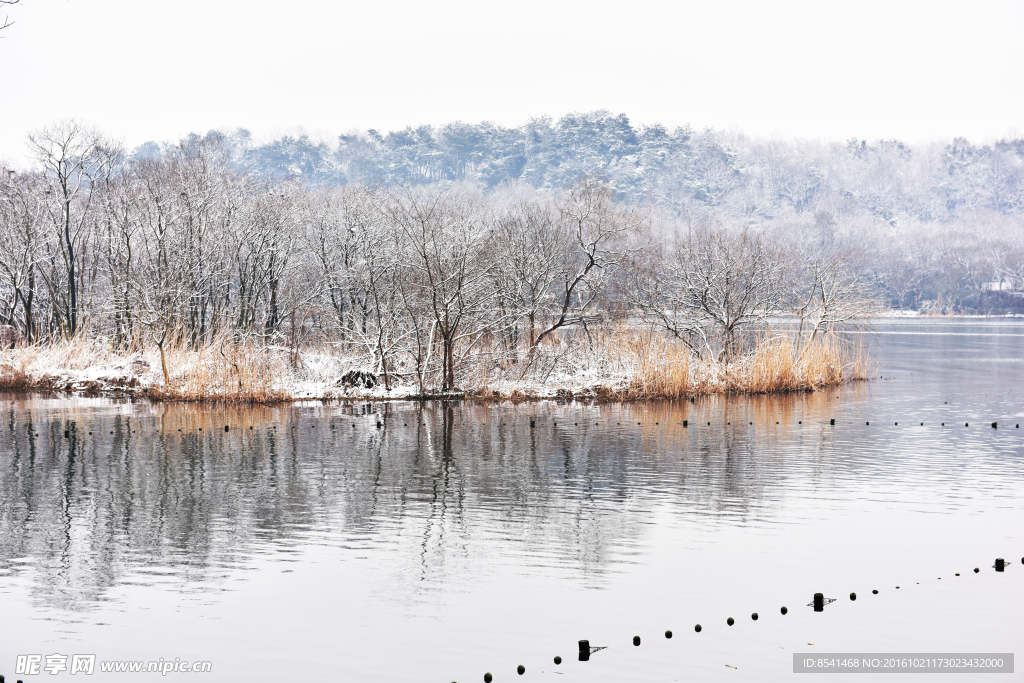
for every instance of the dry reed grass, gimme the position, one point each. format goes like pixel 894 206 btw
pixel 226 370
pixel 14 371
pixel 773 367
pixel 662 367
pixel 27 366
pixel 665 369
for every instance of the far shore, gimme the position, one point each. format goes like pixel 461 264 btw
pixel 942 316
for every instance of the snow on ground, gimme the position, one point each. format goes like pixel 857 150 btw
pixel 238 372
pixel 96 370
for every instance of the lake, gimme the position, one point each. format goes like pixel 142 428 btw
pixel 440 541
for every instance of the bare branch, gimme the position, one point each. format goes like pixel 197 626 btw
pixel 7 20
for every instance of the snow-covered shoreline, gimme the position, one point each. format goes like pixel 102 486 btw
pixel 272 374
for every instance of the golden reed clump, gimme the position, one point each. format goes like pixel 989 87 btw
pixel 225 371
pixel 13 375
pixel 667 370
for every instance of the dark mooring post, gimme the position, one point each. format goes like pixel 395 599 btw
pixel 686 423
pixel 1000 564
pixel 819 602
pixel 532 424
pixel 584 650
pixel 995 425
pixel 832 421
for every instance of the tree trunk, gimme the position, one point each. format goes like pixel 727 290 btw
pixel 72 284
pixel 163 363
pixel 449 365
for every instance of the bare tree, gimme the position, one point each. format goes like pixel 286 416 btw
pixel 122 192
pixel 73 158
pixel 595 232
pixel 212 201
pixel 835 296
pixel 448 268
pixel 530 254
pixel 158 278
pixel 7 19
pixel 708 289
pixel 262 251
pixel 901 272
pixel 21 238
pixel 359 258
pixel 383 276
pixel 339 221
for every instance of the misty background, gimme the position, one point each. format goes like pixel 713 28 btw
pixel 869 69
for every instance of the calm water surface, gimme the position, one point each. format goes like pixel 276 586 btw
pixel 308 544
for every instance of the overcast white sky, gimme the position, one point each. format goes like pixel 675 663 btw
pixel 833 69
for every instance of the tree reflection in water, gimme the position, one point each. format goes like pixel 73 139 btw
pixel 163 491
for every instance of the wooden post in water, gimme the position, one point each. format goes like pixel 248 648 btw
pixel 819 602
